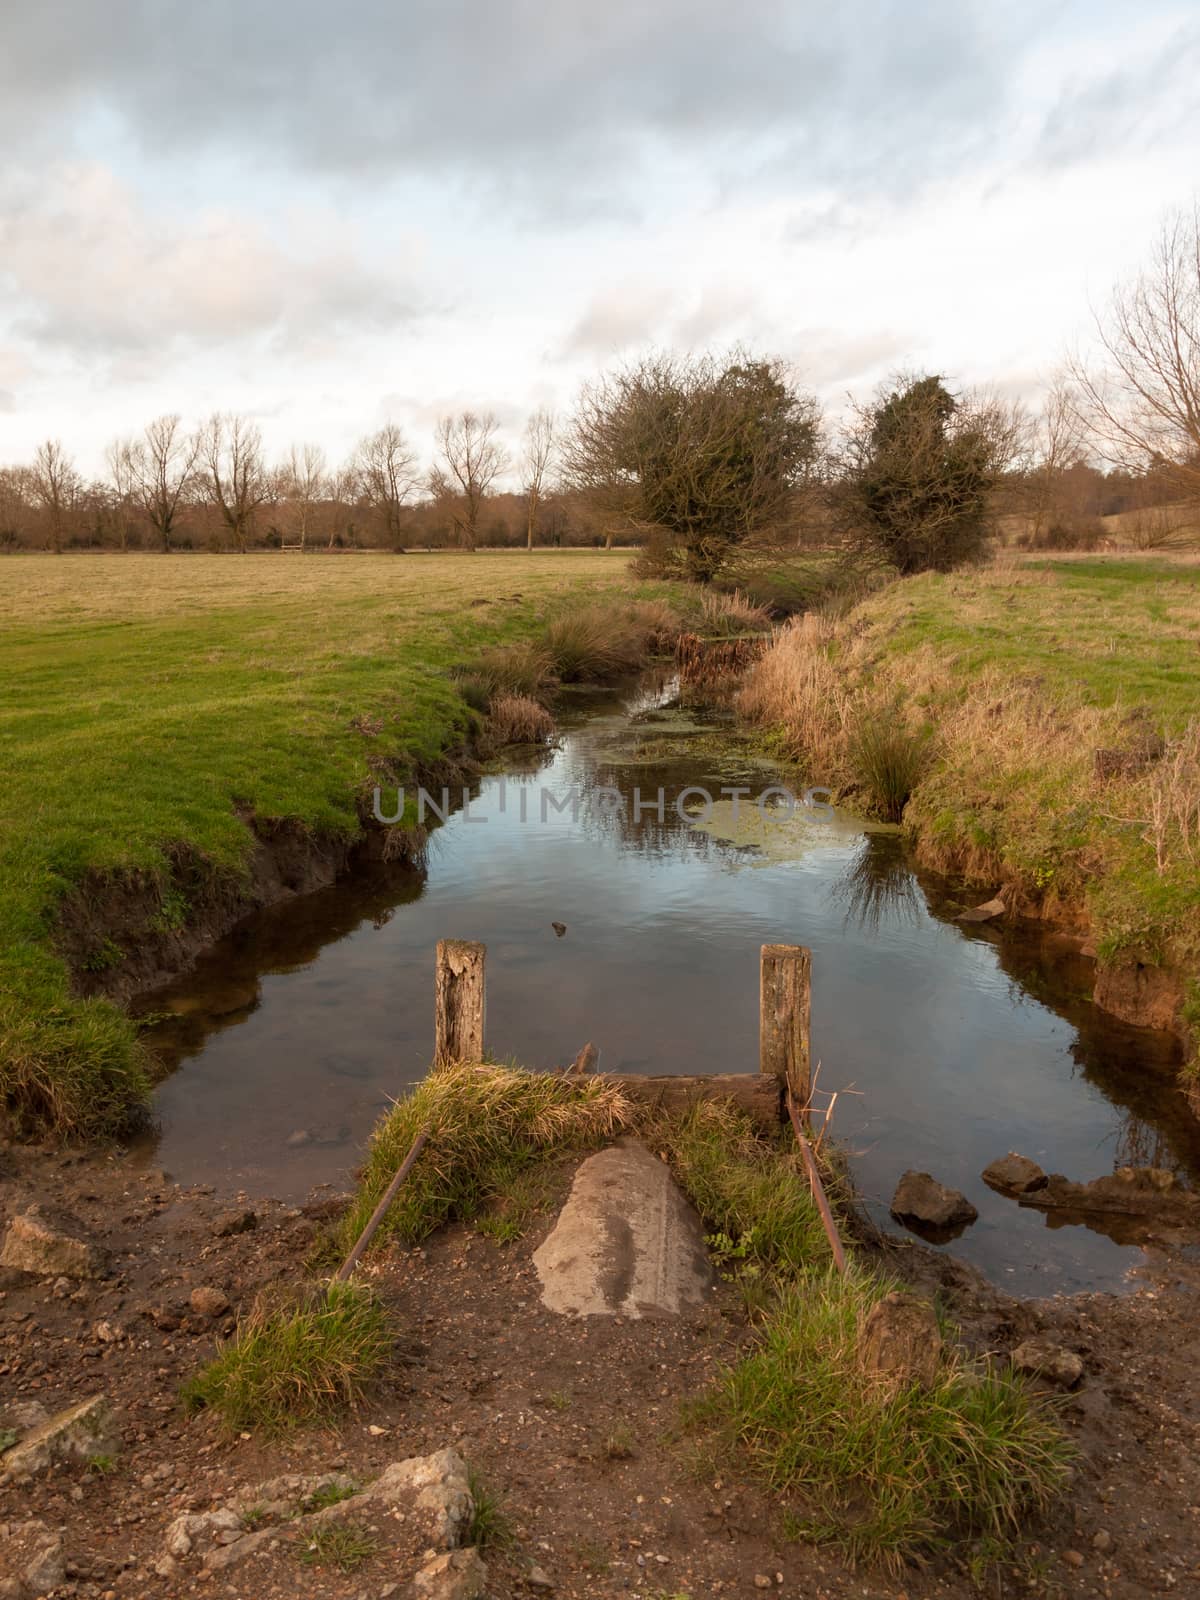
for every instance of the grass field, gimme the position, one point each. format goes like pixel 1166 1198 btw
pixel 146 700
pixel 1006 682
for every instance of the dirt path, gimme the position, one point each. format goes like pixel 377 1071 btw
pixel 572 1425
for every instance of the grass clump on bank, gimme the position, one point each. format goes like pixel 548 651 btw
pixel 296 1364
pixel 752 1196
pixel 884 1473
pixel 489 1125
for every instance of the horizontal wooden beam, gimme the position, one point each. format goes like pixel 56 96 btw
pixel 758 1095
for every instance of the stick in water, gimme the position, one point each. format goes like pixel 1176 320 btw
pixel 377 1216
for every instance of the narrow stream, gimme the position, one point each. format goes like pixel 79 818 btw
pixel 949 1044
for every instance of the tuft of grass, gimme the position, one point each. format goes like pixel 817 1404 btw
pixel 884 1474
pixel 888 759
pixel 490 1526
pixel 595 643
pixel 753 1196
pixel 296 1364
pixel 518 719
pixel 343 1545
pixel 523 668
pixel 731 614
pixel 330 1494
pixel 489 1124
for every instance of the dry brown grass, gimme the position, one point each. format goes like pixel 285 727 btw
pixel 518 719
pixel 732 613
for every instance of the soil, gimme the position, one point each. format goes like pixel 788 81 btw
pixel 573 1424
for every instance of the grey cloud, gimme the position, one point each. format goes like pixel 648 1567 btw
pixel 1133 108
pixel 89 267
pixel 536 100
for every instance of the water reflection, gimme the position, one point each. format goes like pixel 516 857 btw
pixel 962 1041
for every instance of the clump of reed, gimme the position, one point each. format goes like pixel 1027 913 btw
pixel 488 1124
pixel 732 613
pixel 518 719
pixel 887 758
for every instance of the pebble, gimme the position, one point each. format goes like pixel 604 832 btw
pixel 1102 1541
pixel 1073 1558
pixel 207 1301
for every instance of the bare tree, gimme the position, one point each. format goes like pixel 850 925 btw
pixel 536 456
pixel 386 472
pixel 16 497
pixel 163 462
pixel 122 478
pixel 56 484
pixel 1141 399
pixel 305 481
pixel 235 476
pixel 1058 448
pixel 345 492
pixel 474 458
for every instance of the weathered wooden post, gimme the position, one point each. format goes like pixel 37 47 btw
pixel 458 1002
pixel 785 1015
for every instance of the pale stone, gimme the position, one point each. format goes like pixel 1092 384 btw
pixel 77 1434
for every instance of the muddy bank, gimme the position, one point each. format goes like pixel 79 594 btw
pixel 1133 991
pixel 572 1425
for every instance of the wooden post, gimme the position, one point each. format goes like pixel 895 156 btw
pixel 785 1014
pixel 458 1002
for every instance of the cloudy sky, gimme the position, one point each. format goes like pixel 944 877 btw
pixel 327 216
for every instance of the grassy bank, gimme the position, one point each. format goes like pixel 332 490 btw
pixel 1035 723
pixel 151 704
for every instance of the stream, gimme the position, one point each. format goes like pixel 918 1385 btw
pixel 948 1044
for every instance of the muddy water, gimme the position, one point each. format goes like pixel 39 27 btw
pixel 949 1044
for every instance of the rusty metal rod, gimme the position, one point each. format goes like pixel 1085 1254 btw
pixel 377 1216
pixel 817 1187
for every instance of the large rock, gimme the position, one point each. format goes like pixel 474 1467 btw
pixel 80 1433
pixel 626 1242
pixel 901 1342
pixel 426 1499
pixel 1014 1174
pixel 925 1205
pixel 51 1244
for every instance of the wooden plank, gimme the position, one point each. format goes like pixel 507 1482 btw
pixel 761 1097
pixel 458 1001
pixel 785 1016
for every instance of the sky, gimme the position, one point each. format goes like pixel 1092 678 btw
pixel 328 217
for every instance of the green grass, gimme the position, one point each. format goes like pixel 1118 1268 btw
pixel 490 1527
pixel 149 704
pixel 490 1125
pixel 752 1195
pixel 343 1545
pixel 884 1474
pixel 296 1364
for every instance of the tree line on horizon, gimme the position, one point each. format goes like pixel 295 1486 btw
pixel 693 456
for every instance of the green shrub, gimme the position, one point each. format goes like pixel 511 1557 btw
pixel 887 759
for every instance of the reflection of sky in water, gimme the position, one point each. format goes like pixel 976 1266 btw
pixel 952 1062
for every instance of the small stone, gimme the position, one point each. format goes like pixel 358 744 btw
pixel 300 1137
pixel 453 1575
pixel 761 1581
pixel 108 1332
pixel 983 913
pixel 539 1578
pixel 230 1222
pixel 207 1301
pixel 920 1198
pixel 1014 1174
pixel 1102 1541
pixel 47 1568
pixel 1042 1358
pixel 51 1243
pixel 1073 1558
